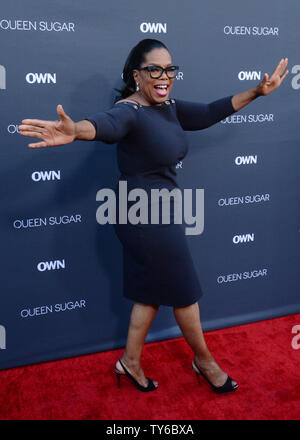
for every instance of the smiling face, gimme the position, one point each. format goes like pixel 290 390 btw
pixel 148 90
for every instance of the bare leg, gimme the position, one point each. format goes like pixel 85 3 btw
pixel 141 318
pixel 188 319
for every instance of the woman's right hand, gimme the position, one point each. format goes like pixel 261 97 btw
pixel 52 132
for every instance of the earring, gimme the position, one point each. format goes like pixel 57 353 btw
pixel 137 87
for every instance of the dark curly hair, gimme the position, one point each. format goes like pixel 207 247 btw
pixel 135 58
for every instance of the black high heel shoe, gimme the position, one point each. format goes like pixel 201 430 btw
pixel 226 388
pixel 150 387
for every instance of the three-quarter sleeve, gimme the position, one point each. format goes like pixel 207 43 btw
pixel 197 115
pixel 113 124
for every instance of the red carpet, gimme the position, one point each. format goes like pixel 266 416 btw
pixel 258 355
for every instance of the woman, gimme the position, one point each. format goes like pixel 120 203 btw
pixel 149 128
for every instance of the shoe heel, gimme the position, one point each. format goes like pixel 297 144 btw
pixel 118 379
pixel 198 378
pixel 150 387
pixel 227 387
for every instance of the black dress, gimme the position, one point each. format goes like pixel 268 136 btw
pixel 157 265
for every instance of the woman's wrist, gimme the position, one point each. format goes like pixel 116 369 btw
pixel 256 91
pixel 84 130
pixel 78 130
pixel 242 99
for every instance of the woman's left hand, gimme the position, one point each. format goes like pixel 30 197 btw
pixel 268 85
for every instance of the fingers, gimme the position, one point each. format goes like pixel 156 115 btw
pixel 31 133
pixel 61 113
pixel 37 122
pixel 31 130
pixel 283 66
pixel 283 76
pixel 23 128
pixel 37 145
pixel 280 67
pixel 41 123
pixel 265 78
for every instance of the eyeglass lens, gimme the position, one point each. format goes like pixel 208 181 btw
pixel 156 71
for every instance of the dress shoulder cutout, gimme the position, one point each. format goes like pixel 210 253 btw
pixel 134 103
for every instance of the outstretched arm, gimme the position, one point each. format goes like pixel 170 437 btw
pixel 53 133
pixel 108 126
pixel 266 86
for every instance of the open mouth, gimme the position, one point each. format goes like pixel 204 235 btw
pixel 161 89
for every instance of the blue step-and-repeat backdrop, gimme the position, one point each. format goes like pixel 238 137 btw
pixel 61 271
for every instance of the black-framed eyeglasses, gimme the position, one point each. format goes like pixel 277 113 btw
pixel 157 71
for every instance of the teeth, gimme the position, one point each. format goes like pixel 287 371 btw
pixel 161 87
